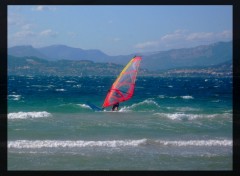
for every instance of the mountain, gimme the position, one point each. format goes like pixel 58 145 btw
pixel 224 69
pixel 58 52
pixel 205 55
pixel 37 66
pixel 25 50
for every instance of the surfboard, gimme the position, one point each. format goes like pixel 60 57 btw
pixel 94 107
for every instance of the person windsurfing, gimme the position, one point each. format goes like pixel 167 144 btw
pixel 115 106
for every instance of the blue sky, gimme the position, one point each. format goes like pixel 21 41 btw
pixel 117 30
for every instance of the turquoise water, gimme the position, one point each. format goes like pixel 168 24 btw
pixel 169 124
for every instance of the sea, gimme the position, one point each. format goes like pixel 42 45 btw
pixel 170 124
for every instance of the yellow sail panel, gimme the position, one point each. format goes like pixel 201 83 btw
pixel 123 88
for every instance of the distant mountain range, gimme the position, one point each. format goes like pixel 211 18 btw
pixel 205 55
pixel 36 66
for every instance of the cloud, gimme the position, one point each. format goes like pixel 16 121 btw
pixel 148 44
pixel 184 38
pixel 48 32
pixel 26 26
pixel 44 8
pixel 15 19
pixel 176 35
pixel 24 34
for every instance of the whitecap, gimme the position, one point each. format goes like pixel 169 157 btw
pixel 197 143
pixel 60 90
pixel 161 96
pixel 187 97
pixel 84 106
pixel 149 103
pixel 184 116
pixel 14 97
pixel 70 81
pixel 28 115
pixel 20 144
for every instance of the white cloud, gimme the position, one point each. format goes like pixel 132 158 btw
pixel 184 38
pixel 176 35
pixel 148 44
pixel 200 36
pixel 26 26
pixel 15 19
pixel 24 34
pixel 44 8
pixel 48 32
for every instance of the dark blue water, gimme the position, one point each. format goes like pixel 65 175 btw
pixel 169 124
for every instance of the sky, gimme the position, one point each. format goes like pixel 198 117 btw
pixel 119 29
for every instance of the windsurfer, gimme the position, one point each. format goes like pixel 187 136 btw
pixel 115 106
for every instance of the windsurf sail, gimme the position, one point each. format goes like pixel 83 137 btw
pixel 123 87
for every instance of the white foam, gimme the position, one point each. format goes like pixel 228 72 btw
pixel 186 109
pixel 145 102
pixel 78 85
pixel 181 116
pixel 70 81
pixel 84 106
pixel 187 97
pixel 28 115
pixel 161 96
pixel 149 102
pixel 197 143
pixel 70 144
pixel 37 144
pixel 14 97
pixel 60 90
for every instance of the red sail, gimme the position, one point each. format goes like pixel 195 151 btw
pixel 123 88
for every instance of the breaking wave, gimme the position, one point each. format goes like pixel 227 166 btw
pixel 146 105
pixel 71 144
pixel 84 106
pixel 37 144
pixel 197 143
pixel 186 97
pixel 14 97
pixel 183 116
pixel 28 115
pixel 60 90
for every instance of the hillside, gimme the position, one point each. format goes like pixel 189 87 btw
pixel 37 66
pixel 219 70
pixel 204 55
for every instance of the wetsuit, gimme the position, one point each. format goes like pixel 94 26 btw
pixel 115 106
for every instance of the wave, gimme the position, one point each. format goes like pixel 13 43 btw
pixel 28 115
pixel 84 106
pixel 187 97
pixel 174 97
pixel 146 105
pixel 60 90
pixel 71 108
pixel 14 97
pixel 197 143
pixel 37 144
pixel 183 116
pixel 71 144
